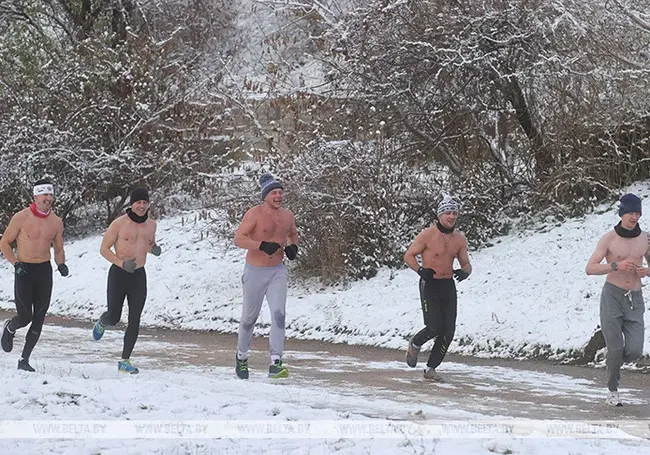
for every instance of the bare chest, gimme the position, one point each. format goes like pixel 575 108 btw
pixel 273 226
pixel 135 233
pixel 629 248
pixel 443 245
pixel 36 229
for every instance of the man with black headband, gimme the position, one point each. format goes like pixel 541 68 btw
pixel 438 246
pixel 132 236
pixel 621 300
pixel 35 230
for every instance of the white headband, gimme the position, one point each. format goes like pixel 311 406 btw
pixel 45 188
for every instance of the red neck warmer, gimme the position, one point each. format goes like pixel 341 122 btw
pixel 37 212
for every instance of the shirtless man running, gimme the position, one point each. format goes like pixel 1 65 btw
pixel 268 232
pixel 438 246
pixel 621 300
pixel 132 236
pixel 35 230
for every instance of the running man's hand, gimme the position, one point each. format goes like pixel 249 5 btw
pixel 426 274
pixel 129 265
pixel 641 271
pixel 155 250
pixel 63 269
pixel 626 266
pixel 21 269
pixel 269 247
pixel 460 274
pixel 291 251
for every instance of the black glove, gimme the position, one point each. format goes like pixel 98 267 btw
pixel 269 247
pixel 155 250
pixel 63 269
pixel 460 274
pixel 129 265
pixel 426 274
pixel 291 251
pixel 21 269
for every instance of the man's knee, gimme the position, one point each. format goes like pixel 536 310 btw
pixel 431 331
pixel 24 320
pixel 248 323
pixel 279 319
pixel 632 354
pixel 615 353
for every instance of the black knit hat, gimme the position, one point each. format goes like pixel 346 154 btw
pixel 139 194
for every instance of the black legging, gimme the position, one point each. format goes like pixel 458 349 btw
pixel 33 292
pixel 133 286
pixel 439 306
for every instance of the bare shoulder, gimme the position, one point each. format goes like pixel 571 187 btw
pixel 607 237
pixel 21 215
pixel 460 235
pixel 426 233
pixel 288 213
pixel 118 222
pixel 57 220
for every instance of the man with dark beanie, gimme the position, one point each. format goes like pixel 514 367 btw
pixel 131 236
pixel 35 230
pixel 621 300
pixel 268 233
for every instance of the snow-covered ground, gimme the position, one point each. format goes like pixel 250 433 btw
pixel 77 403
pixel 527 291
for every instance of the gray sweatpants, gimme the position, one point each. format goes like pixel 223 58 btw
pixel 621 319
pixel 258 282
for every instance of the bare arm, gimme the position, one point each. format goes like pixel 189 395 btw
pixel 108 241
pixel 594 266
pixel 293 232
pixel 418 246
pixel 153 234
pixel 59 253
pixel 242 236
pixel 463 258
pixel 10 235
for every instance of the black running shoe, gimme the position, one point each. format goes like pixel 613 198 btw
pixel 7 338
pixel 241 367
pixel 23 364
pixel 277 370
pixel 412 354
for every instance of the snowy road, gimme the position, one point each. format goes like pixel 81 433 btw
pixel 187 378
pixel 495 387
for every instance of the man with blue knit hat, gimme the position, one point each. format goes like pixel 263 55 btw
pixel 438 247
pixel 268 233
pixel 621 300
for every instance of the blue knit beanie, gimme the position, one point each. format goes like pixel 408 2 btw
pixel 268 184
pixel 629 203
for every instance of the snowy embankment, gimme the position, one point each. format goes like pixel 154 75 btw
pixel 528 293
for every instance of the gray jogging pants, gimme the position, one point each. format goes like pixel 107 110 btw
pixel 621 320
pixel 258 282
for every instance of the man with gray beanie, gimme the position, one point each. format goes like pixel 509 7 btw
pixel 621 300
pixel 268 233
pixel 438 247
pixel 125 245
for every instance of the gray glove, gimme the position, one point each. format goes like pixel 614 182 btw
pixel 155 250
pixel 129 265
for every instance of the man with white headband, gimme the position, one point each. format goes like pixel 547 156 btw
pixel 35 230
pixel 438 247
